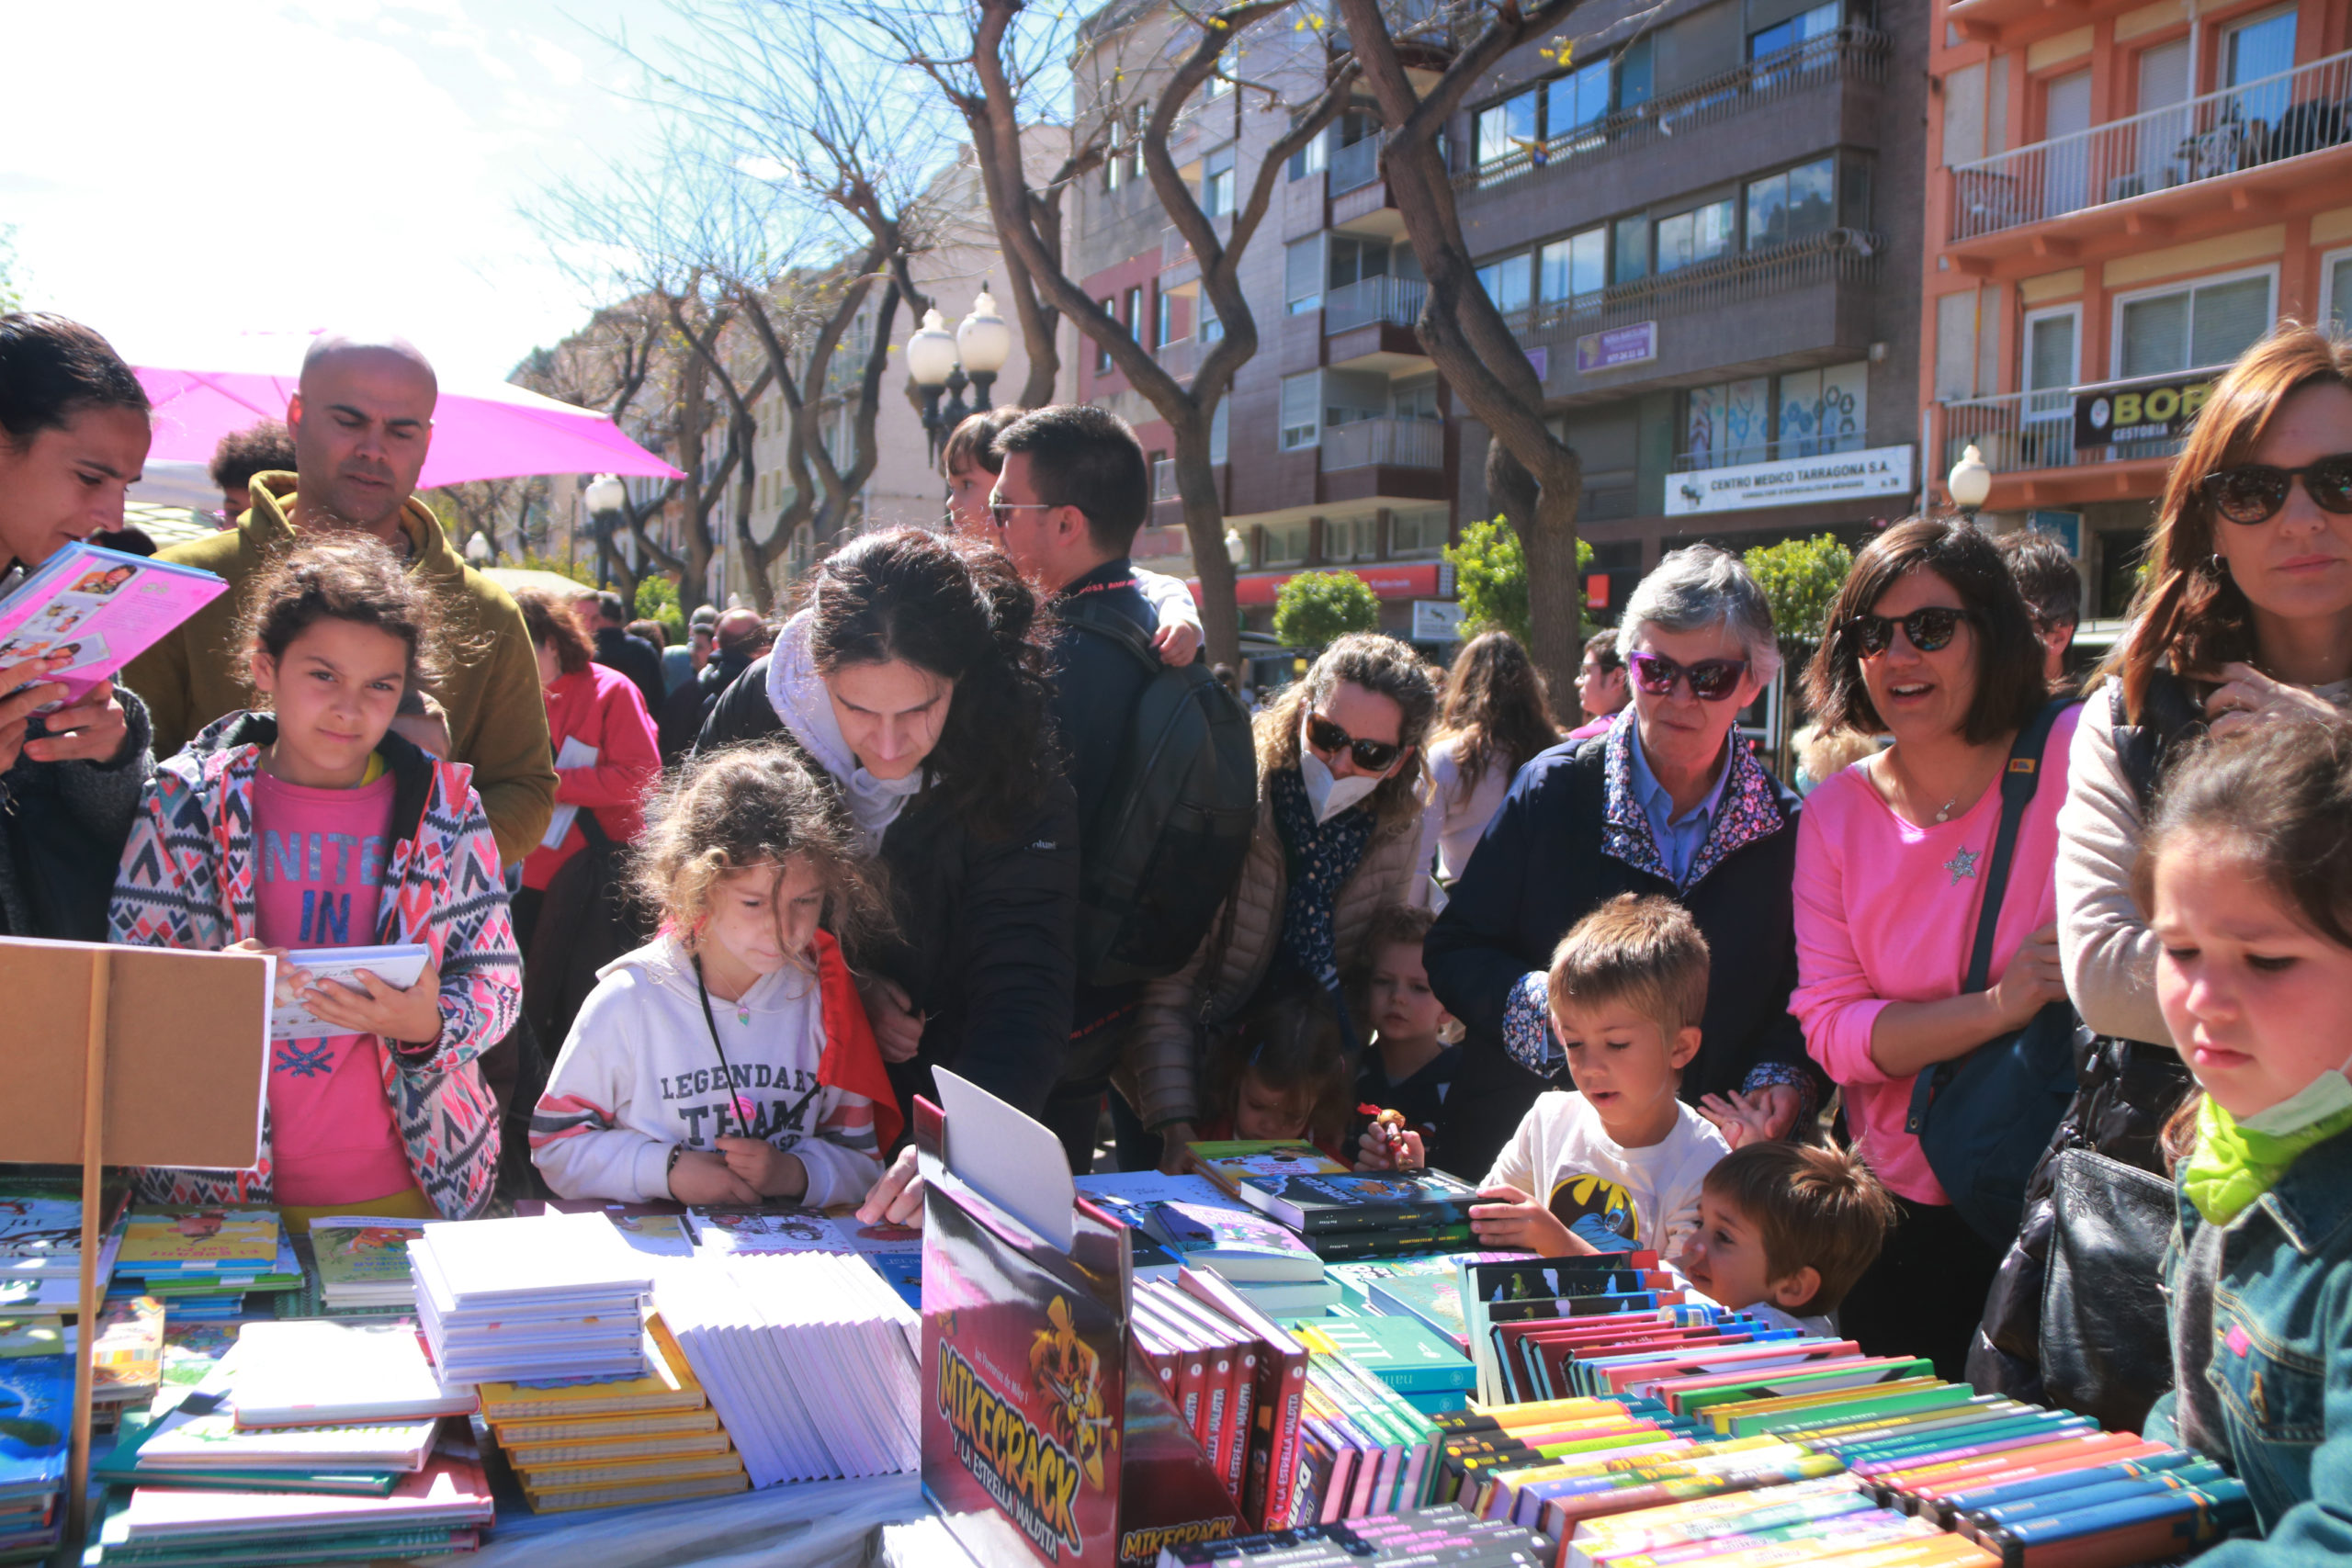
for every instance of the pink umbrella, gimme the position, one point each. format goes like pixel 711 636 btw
pixel 479 432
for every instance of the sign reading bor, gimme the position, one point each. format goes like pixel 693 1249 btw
pixel 2153 409
pixel 1793 481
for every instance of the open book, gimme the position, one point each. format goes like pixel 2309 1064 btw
pixel 101 608
pixel 290 1020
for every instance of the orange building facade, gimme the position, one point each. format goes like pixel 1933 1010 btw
pixel 2121 196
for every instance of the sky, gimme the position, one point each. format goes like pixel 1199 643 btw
pixel 181 171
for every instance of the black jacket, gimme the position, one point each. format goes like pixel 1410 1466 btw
pixel 1097 683
pixel 985 927
pixel 1545 864
pixel 62 827
pixel 635 657
pixel 680 718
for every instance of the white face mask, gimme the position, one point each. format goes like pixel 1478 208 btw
pixel 1329 797
pixel 2327 1095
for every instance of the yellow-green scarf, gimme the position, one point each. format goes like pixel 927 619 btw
pixel 2233 1165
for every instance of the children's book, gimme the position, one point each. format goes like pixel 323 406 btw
pixel 1226 1163
pixel 129 1356
pixel 770 1227
pixel 290 1019
pixel 35 1411
pixel 1316 1201
pixel 199 1241
pixel 39 1237
pixel 308 1371
pixel 363 1261
pixel 100 609
pixel 1238 1244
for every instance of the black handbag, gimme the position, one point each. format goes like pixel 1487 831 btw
pixel 2106 1340
pixel 1984 1120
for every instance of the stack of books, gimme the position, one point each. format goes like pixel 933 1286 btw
pixel 1264 1260
pixel 1441 1534
pixel 1347 1215
pixel 41 1254
pixel 37 1396
pixel 812 1360
pixel 895 1252
pixel 126 1361
pixel 363 1263
pixel 552 1295
pixel 1413 1359
pixel 1237 1380
pixel 309 1441
pixel 1364 1450
pixel 599 1445
pixel 201 1262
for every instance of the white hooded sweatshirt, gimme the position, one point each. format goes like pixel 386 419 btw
pixel 641 1074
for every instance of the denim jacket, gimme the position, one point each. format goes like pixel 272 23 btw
pixel 2281 1360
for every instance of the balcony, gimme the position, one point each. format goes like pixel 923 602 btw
pixel 1840 255
pixel 1853 53
pixel 2027 440
pixel 1180 357
pixel 1396 302
pixel 1767 452
pixel 1168 505
pixel 1384 443
pixel 2133 176
pixel 1355 165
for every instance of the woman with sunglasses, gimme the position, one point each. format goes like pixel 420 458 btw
pixel 1929 641
pixel 1339 826
pixel 1672 803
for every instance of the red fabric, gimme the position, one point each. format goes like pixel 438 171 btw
pixel 603 708
pixel 852 1060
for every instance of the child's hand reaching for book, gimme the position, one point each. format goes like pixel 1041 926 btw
pixel 376 1006
pixel 771 1172
pixel 699 1177
pixel 1508 1217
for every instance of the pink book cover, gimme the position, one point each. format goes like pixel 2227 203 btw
pixel 101 608
pixel 450 1490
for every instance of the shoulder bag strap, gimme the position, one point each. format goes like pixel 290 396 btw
pixel 2020 779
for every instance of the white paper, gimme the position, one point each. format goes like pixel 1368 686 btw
pixel 576 753
pixel 290 1020
pixel 1014 1161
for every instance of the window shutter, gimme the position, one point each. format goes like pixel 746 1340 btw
pixel 2226 320
pixel 2155 335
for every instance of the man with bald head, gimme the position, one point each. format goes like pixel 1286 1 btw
pixel 362 421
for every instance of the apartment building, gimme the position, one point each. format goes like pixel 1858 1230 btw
pixel 1332 448
pixel 1703 221
pixel 2124 197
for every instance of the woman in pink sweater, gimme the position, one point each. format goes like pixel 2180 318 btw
pixel 1930 641
pixel 599 709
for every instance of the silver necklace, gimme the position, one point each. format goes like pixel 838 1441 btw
pixel 1943 812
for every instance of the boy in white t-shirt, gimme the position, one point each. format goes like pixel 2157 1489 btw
pixel 1784 1231
pixel 1619 1162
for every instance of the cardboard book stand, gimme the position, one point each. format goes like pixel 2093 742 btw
pixel 133 1055
pixel 1046 1438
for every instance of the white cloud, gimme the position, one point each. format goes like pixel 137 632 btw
pixel 557 61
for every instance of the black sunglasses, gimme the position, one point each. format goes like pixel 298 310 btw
pixel 1372 756
pixel 1712 680
pixel 1931 630
pixel 2254 493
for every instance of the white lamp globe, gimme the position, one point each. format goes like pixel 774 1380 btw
pixel 1971 481
pixel 605 493
pixel 982 337
pixel 930 352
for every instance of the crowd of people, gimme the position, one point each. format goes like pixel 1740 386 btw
pixel 2014 1039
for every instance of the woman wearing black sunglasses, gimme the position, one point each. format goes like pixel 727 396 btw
pixel 1339 823
pixel 1672 803
pixel 1928 640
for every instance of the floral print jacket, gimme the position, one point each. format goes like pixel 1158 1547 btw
pixel 187 881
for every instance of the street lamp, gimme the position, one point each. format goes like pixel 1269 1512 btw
pixel 941 361
pixel 1970 482
pixel 478 551
pixel 1237 549
pixel 604 498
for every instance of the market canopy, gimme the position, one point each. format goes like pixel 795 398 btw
pixel 481 430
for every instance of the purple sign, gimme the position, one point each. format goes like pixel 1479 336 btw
pixel 1618 345
pixel 1540 358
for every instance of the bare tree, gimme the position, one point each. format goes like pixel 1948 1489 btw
pixel 985 84
pixel 1534 476
pixel 481 508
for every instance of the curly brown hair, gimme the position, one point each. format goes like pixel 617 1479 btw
pixel 747 806
pixel 1379 664
pixel 345 577
pixel 550 620
pixel 1291 1042
pixel 1496 706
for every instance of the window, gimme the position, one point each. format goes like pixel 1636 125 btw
pixel 1576 100
pixel 1164 329
pixel 2336 288
pixel 1506 128
pixel 1701 234
pixel 1103 351
pixel 1350 539
pixel 1286 544
pixel 1633 249
pixel 2210 323
pixel 1132 315
pixel 1727 424
pixel 1355 260
pixel 1417 533
pixel 1302 413
pixel 1218 426
pixel 1227 65
pixel 1819 22
pixel 1210 328
pixel 1506 282
pixel 1634 73
pixel 1821 410
pixel 2259 52
pixel 1795 204
pixel 1303 275
pixel 1311 158
pixel 1417 399
pixel 1217 184
pixel 1577 264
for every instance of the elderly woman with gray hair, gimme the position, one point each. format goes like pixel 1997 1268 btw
pixel 1670 801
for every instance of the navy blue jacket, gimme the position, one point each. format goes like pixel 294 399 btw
pixel 1570 836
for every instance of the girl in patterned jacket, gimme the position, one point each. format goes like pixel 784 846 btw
pixel 312 826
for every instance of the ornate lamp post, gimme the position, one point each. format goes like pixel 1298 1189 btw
pixel 1970 482
pixel 604 498
pixel 944 362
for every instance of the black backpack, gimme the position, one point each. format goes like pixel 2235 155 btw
pixel 1167 843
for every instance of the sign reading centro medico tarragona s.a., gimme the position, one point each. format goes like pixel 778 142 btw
pixel 1791 481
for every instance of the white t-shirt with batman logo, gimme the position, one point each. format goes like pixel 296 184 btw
pixel 1611 1196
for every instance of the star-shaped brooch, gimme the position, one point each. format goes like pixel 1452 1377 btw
pixel 1962 866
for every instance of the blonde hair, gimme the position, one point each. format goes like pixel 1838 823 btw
pixel 746 808
pixel 1640 949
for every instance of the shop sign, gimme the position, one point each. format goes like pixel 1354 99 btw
pixel 1793 481
pixel 1619 346
pixel 1435 620
pixel 2139 411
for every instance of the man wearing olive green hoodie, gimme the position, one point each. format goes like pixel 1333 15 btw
pixel 362 419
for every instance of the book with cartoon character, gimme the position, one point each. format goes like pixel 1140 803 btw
pixel 1343 1200
pixel 167 1241
pixel 102 608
